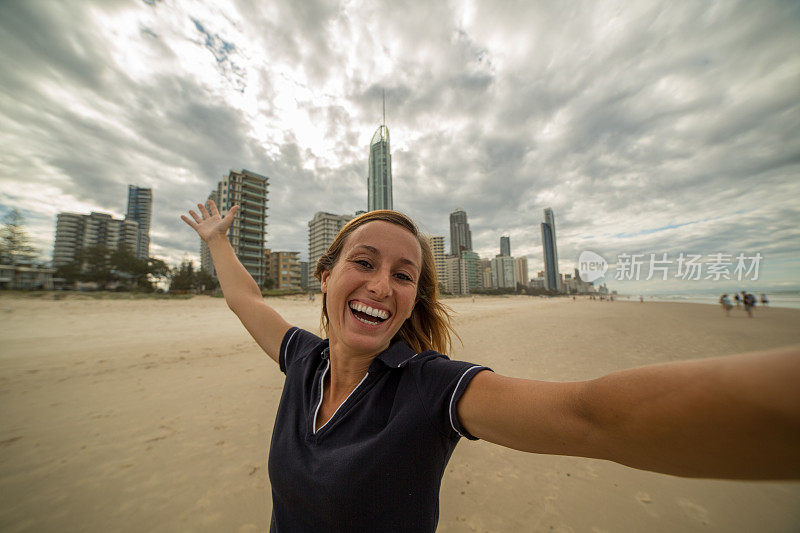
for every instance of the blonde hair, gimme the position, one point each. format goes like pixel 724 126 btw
pixel 429 326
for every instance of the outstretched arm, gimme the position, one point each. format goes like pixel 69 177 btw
pixel 240 289
pixel 734 417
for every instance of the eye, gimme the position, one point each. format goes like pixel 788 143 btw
pixel 363 263
pixel 404 277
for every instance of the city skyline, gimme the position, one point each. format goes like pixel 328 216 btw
pixel 649 129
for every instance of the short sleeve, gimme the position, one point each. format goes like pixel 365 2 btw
pixel 296 344
pixel 441 383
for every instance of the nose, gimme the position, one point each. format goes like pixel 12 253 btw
pixel 379 284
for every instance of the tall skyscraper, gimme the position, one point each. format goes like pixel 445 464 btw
pixel 322 229
pixel 552 279
pixel 379 181
pixel 505 246
pixel 140 209
pixel 248 233
pixel 460 235
pixel 76 232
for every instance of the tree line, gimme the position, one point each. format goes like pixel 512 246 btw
pixel 103 265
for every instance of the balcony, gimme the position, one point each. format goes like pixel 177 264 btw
pixel 253 203
pixel 254 191
pixel 253 255
pixel 253 220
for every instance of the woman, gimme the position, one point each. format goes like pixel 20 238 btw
pixel 370 416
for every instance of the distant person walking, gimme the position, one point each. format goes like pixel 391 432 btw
pixel 726 304
pixel 738 300
pixel 749 301
pixel 764 300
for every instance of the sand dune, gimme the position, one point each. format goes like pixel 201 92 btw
pixel 156 415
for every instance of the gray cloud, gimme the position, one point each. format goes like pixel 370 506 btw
pixel 650 128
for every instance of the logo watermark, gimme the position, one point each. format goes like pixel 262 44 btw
pixel 591 266
pixel 689 267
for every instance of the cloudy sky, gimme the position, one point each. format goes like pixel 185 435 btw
pixel 648 127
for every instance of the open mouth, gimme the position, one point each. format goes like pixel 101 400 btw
pixel 366 314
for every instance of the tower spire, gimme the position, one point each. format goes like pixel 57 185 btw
pixel 384 107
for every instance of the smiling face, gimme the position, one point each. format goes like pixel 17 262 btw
pixel 372 288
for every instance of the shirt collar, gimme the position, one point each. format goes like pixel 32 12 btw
pixel 395 356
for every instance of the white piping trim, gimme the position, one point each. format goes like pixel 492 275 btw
pixel 321 382
pixel 286 349
pixel 453 397
pixel 407 360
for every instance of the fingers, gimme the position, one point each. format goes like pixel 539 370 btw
pixel 232 211
pixel 212 207
pixel 228 220
pixel 202 209
pixel 193 225
pixel 195 216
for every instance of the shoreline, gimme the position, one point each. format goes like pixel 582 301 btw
pixel 778 301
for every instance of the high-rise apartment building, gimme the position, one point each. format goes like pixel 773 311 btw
pixel 379 180
pixel 76 232
pixel 552 280
pixel 521 270
pixel 304 275
pixel 140 210
pixel 503 275
pixel 248 233
pixel 460 235
pixel 505 245
pixel 322 229
pixel 206 264
pixel 436 243
pixel 284 269
pixel 456 275
pixel 485 268
pixel 472 264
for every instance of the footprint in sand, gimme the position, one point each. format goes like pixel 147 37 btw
pixel 643 497
pixel 694 511
pixel 9 441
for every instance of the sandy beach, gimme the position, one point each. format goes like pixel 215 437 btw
pixel 156 415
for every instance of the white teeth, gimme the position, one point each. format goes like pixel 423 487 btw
pixel 379 313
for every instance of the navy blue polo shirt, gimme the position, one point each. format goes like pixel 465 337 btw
pixel 377 464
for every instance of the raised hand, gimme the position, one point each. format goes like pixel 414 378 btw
pixel 210 225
